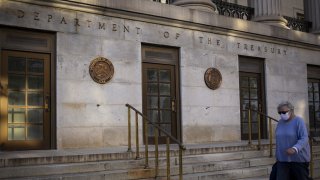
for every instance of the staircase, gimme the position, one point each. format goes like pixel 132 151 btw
pixel 212 161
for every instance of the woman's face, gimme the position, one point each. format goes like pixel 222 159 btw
pixel 284 113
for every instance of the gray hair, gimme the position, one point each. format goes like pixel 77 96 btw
pixel 286 104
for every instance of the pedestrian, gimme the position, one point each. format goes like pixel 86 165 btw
pixel 292 146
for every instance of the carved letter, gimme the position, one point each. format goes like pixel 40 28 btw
pixel 20 14
pixel 238 45
pixel 285 52
pixel 63 20
pixel 218 42
pixel 36 16
pixel 265 49
pixel 279 51
pixel 138 30
pixel 102 26
pixel 76 22
pixel 166 34
pixel 126 28
pixel 245 46
pixel 200 39
pixel 259 48
pixel 252 48
pixel 114 27
pixel 49 17
pixel 89 23
pixel 209 41
pixel 272 50
pixel 177 35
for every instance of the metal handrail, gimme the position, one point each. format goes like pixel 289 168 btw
pixel 146 121
pixel 259 131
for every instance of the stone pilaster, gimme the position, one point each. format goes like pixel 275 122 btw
pixel 268 12
pixel 202 5
pixel 312 14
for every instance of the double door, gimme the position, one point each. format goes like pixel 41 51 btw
pixel 25 99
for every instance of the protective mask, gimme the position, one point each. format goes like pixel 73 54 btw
pixel 285 116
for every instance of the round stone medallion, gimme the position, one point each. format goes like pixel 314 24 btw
pixel 101 70
pixel 213 78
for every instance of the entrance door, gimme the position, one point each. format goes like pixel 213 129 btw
pixel 161 90
pixel 25 96
pixel 251 95
pixel 314 99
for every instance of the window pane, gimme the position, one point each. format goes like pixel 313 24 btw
pixel 316 96
pixel 165 116
pixel 253 93
pixel 152 101
pixel 244 82
pixel 34 133
pixel 16 115
pixel 153 115
pixel 254 128
pixel 165 102
pixel 254 105
pixel 245 105
pixel 35 99
pixel 167 128
pixel 152 75
pixel 164 75
pixel 316 86
pixel 152 88
pixel 253 83
pixel 244 93
pixel 16 132
pixel 310 87
pixel 310 95
pixel 35 82
pixel 245 128
pixel 316 106
pixel 35 116
pixel 164 89
pixel 35 66
pixel 16 82
pixel 16 98
pixel 244 115
pixel 17 64
pixel 151 131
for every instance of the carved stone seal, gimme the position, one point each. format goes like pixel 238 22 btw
pixel 101 70
pixel 213 78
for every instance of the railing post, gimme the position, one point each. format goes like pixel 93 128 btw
pixel 146 142
pixel 156 134
pixel 311 153
pixel 259 131
pixel 168 158
pixel 250 130
pixel 137 137
pixel 270 137
pixel 180 164
pixel 129 130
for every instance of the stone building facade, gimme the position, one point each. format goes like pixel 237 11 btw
pixel 159 55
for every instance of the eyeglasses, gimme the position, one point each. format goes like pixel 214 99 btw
pixel 283 112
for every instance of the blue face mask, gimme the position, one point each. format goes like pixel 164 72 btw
pixel 285 116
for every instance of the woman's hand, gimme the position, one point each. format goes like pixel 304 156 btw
pixel 291 151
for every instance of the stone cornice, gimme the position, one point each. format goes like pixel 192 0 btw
pixel 157 13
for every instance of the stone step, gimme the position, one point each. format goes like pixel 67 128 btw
pixel 134 174
pixel 226 175
pixel 41 157
pixel 192 164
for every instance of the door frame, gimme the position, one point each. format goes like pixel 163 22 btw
pixel 25 144
pixel 35 41
pixel 253 65
pixel 174 61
